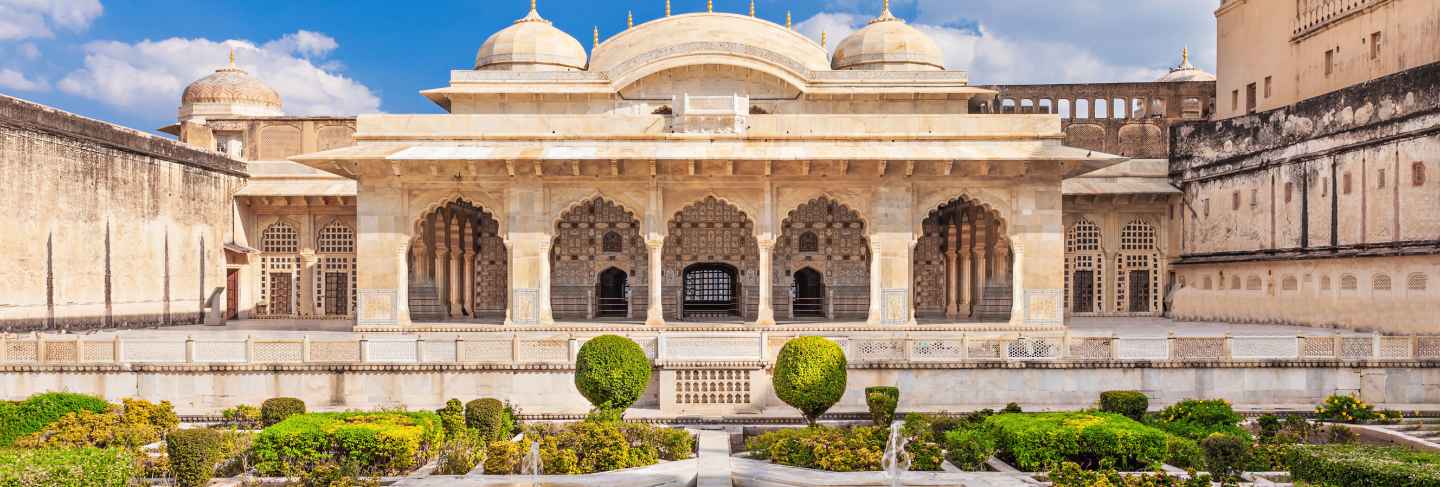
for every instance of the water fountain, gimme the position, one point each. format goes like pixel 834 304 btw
pixel 531 464
pixel 895 462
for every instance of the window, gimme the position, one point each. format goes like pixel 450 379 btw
pixel 1254 198
pixel 1289 190
pixel 612 243
pixel 1324 283
pixel 1235 99
pixel 1250 98
pixel 1329 62
pixel 1346 184
pixel 1348 282
pixel 1416 282
pixel 1375 45
pixel 1290 284
pixel 280 237
pixel 336 238
pixel 1253 284
pixel 809 242
pixel 1208 283
pixel 1380 178
pixel 1381 282
pixel 1235 283
pixel 1269 86
pixel 1235 200
pixel 1417 173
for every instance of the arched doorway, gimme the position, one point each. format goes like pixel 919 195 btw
pixel 1084 264
pixel 591 238
pixel 809 294
pixel 712 253
pixel 711 291
pixel 962 264
pixel 828 238
pixel 613 294
pixel 458 265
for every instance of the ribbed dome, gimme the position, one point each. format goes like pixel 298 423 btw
pixel 531 44
pixel 231 85
pixel 1186 71
pixel 888 44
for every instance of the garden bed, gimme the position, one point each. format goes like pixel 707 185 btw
pixel 1038 441
pixel 375 444
pixel 1364 465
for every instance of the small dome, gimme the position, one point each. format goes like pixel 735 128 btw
pixel 1186 71
pixel 231 85
pixel 531 44
pixel 889 44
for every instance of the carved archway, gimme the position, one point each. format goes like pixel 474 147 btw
pixel 715 232
pixel 829 238
pixel 962 263
pixel 1084 267
pixel 590 237
pixel 458 264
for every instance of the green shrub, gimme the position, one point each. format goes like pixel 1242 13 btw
pixel 333 475
pixel 1012 408
pixel 461 454
pixel 1197 419
pixel 1034 442
pixel 503 458
pixel 491 419
pixel 925 456
pixel 18 419
pixel 882 401
pixel 1183 452
pixel 70 467
pixel 134 424
pixel 243 415
pixel 612 372
pixel 452 419
pixel 810 375
pixel 277 409
pixel 1132 404
pixel 591 446
pixel 1358 465
pixel 1225 455
pixel 193 454
pixel 380 443
pixel 1072 475
pixel 856 449
pixel 1346 409
pixel 1339 435
pixel 969 449
pixel 1269 427
pixel 670 443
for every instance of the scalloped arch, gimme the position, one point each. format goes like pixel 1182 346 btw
pixel 418 218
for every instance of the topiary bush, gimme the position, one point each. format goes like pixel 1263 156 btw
pixel 277 409
pixel 1035 442
pixel 490 419
pixel 1183 452
pixel 1197 419
pixel 1350 409
pixel 193 454
pixel 452 419
pixel 377 443
pixel 1225 455
pixel 67 467
pixel 882 401
pixel 1132 404
pixel 810 375
pixel 612 372
pixel 244 416
pixel 18 419
pixel 969 448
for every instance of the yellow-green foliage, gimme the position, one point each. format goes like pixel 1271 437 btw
pixel 69 467
pixel 134 424
pixel 592 446
pixel 194 454
pixel 19 419
pixel 1035 442
pixel 382 443
pixel 810 375
pixel 1356 465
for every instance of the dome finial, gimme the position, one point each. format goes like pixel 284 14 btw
pixel 533 15
pixel 1185 55
pixel 788 25
pixel 885 14
pixel 596 36
pixel 232 56
pixel 710 6
pixel 667 8
pixel 752 8
pixel 534 6
pixel 630 19
pixel 824 43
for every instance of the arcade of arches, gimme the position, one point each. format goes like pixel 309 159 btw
pixel 457 265
pixel 962 264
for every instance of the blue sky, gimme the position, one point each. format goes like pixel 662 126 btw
pixel 126 61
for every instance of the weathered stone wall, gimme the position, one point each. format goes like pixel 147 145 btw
pixel 106 226
pixel 1348 178
pixel 1128 119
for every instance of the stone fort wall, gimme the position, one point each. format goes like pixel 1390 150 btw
pixel 107 227
pixel 1326 212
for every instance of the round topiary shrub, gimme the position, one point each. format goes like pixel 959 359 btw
pixel 810 375
pixel 193 455
pixel 612 372
pixel 276 409
pixel 1225 455
pixel 491 419
pixel 882 401
pixel 1129 403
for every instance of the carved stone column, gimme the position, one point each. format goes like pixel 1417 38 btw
pixel 982 242
pixel 1002 260
pixel 418 256
pixel 402 292
pixel 655 312
pixel 952 272
pixel 467 269
pixel 442 258
pixel 766 314
pixel 875 284
pixel 547 315
pixel 967 289
pixel 457 253
pixel 309 302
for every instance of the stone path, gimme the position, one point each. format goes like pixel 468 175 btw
pixel 714 459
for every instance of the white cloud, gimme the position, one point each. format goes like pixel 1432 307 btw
pixel 15 80
pixel 150 75
pixel 25 19
pixel 1044 41
pixel 28 51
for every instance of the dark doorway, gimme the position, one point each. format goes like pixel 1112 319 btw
pixel 809 293
pixel 711 291
pixel 337 293
pixel 232 293
pixel 613 293
pixel 1084 291
pixel 1139 291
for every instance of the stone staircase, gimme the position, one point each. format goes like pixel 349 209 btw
pixel 1427 429
pixel 994 305
pixel 425 303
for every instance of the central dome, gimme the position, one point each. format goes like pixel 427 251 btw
pixel 708 35
pixel 531 44
pixel 231 85
pixel 888 44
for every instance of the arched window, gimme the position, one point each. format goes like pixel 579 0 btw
pixel 1348 282
pixel 809 242
pixel 1208 283
pixel 1381 282
pixel 280 237
pixel 1417 173
pixel 1253 283
pixel 1324 283
pixel 1084 235
pixel 1234 283
pixel 1137 235
pixel 1290 284
pixel 1416 282
pixel 336 238
pixel 612 242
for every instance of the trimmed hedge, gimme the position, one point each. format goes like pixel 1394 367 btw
pixel 382 443
pixel 882 401
pixel 1364 466
pixel 133 424
pixel 1132 404
pixel 590 447
pixel 76 467
pixel 612 372
pixel 491 419
pixel 810 375
pixel 1039 441
pixel 276 409
pixel 194 453
pixel 858 449
pixel 1225 455
pixel 969 449
pixel 19 419
pixel 1197 419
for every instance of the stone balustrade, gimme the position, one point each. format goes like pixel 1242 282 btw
pixel 864 349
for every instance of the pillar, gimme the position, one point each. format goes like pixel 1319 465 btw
pixel 982 242
pixel 467 267
pixel 766 315
pixel 966 289
pixel 457 252
pixel 402 288
pixel 546 313
pixel 875 287
pixel 1002 260
pixel 952 272
pixel 655 312
pixel 308 305
pixel 417 260
pixel 441 257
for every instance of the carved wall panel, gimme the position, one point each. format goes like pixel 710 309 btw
pixel 712 231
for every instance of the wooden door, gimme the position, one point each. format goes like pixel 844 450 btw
pixel 232 293
pixel 337 293
pixel 1139 291
pixel 1084 291
pixel 281 287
